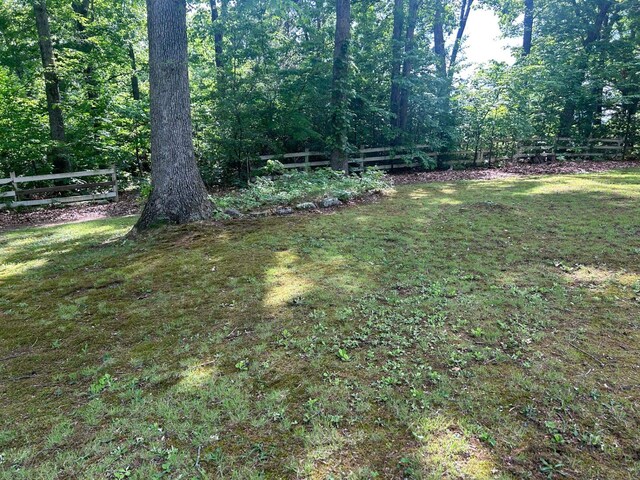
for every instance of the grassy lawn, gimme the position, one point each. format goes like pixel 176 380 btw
pixel 468 330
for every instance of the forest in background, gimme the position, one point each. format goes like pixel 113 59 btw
pixel 74 79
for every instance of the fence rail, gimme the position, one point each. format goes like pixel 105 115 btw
pixel 504 150
pixel 569 148
pixel 16 196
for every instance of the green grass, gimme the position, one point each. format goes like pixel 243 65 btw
pixel 468 330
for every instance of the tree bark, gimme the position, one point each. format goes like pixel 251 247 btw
pixel 178 193
pixel 407 65
pixel 527 38
pixel 438 39
pixel 396 61
pixel 442 89
pixel 135 82
pixel 340 85
pixel 52 89
pixel 135 94
pixel 465 11
pixel 217 32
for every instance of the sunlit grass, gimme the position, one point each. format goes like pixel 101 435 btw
pixel 480 330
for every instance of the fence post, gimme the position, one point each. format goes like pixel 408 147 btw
pixel 306 159
pixel 114 179
pixel 12 175
pixel 361 159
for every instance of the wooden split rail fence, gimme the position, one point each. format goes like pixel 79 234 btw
pixel 382 157
pixel 593 148
pixel 104 186
pixel 388 158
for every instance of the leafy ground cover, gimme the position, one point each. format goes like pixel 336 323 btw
pixel 294 187
pixel 449 330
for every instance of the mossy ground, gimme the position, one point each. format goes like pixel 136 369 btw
pixel 463 330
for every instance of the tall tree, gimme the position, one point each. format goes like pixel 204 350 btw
pixel 52 88
pixel 178 194
pixel 463 18
pixel 396 61
pixel 445 71
pixel 340 87
pixel 527 37
pixel 593 33
pixel 439 48
pixel 82 9
pixel 217 31
pixel 402 46
pixel 407 64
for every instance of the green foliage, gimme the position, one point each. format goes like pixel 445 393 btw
pixel 145 188
pixel 343 355
pixel 271 92
pixel 424 161
pixel 299 186
pixel 104 382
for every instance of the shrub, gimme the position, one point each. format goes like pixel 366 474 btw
pixel 294 187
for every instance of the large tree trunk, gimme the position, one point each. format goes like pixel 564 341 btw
pixel 396 62
pixel 407 65
pixel 527 38
pixel 52 89
pixel 178 194
pixel 217 32
pixel 339 91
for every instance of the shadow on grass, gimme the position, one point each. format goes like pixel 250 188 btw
pixel 420 337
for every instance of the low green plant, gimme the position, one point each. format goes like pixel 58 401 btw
pixel 145 188
pixel 243 365
pixel 293 187
pixel 343 355
pixel 101 384
pixel 424 161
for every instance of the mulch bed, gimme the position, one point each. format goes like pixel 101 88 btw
pixel 516 170
pixel 129 205
pixel 75 212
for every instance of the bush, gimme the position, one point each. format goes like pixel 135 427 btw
pixel 295 187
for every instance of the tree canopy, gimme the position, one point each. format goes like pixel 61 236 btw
pixel 262 79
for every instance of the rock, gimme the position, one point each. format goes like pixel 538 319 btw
pixel 306 206
pixel 284 211
pixel 264 213
pixel 232 212
pixel 330 202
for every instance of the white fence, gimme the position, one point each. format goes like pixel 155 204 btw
pixel 24 197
